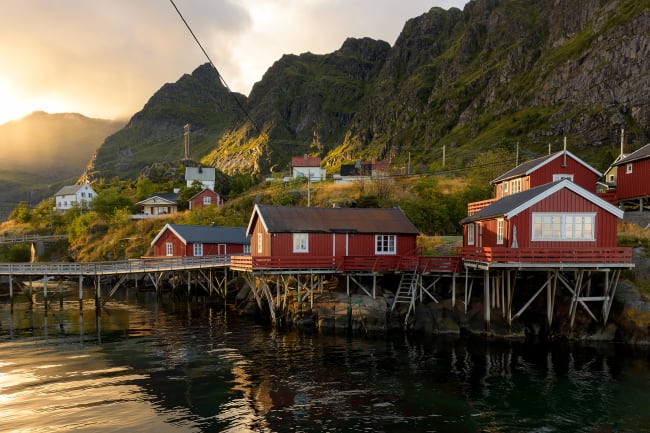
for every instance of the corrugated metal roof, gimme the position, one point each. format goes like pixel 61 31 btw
pixel 289 219
pixel 641 153
pixel 208 234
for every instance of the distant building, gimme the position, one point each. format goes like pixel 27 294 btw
pixel 74 195
pixel 205 175
pixel 361 170
pixel 157 205
pixel 307 167
pixel 206 197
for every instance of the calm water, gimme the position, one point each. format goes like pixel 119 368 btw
pixel 161 367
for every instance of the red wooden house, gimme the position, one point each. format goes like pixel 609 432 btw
pixel 205 197
pixel 559 222
pixel 540 171
pixel 337 238
pixel 633 175
pixel 546 169
pixel 178 240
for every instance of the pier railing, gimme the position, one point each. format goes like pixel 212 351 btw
pixel 115 267
pixel 348 263
pixel 620 255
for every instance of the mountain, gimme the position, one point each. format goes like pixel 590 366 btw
pixel 498 73
pixel 41 150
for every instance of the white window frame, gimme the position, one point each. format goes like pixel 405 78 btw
pixel 504 189
pixel 259 243
pixel 301 242
pixel 500 230
pixel 169 249
pixel 567 227
pixel 471 232
pixel 515 186
pixel 385 244
pixel 207 200
pixel 561 176
pixel 247 249
pixel 197 249
pixel 628 168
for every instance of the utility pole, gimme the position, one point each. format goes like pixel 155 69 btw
pixel 186 140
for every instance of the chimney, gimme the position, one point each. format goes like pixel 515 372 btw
pixel 564 156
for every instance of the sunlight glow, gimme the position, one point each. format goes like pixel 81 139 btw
pixel 13 106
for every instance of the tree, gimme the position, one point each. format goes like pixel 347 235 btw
pixel 21 213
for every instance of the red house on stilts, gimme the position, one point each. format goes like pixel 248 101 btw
pixel 546 218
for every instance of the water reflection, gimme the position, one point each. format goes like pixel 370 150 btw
pixel 145 365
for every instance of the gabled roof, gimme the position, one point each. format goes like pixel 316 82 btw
pixel 209 191
pixel 526 168
pixel 200 173
pixel 165 197
pixel 70 189
pixel 290 219
pixel 511 205
pixel 641 153
pixel 190 234
pixel 305 161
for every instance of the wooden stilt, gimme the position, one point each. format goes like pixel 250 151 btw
pixel 45 290
pixel 81 292
pixel 486 299
pixel 453 289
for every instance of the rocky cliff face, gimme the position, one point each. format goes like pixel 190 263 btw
pixel 498 73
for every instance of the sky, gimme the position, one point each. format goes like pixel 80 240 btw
pixel 106 58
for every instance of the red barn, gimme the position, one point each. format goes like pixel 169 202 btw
pixel 178 240
pixel 304 236
pixel 546 169
pixel 556 222
pixel 205 197
pixel 633 175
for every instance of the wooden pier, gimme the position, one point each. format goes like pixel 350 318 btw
pixel 209 271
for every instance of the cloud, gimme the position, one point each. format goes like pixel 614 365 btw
pixel 106 58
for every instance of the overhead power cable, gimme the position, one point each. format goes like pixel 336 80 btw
pixel 221 79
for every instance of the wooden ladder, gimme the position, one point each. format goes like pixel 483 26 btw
pixel 407 291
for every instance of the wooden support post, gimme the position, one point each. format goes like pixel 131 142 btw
pixel 466 289
pixel 11 290
pixel 98 291
pixel 453 289
pixel 374 285
pixel 486 299
pixel 81 292
pixel 31 292
pixel 509 299
pixel 189 284
pixel 45 290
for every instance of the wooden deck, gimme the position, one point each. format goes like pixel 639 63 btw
pixel 551 257
pixel 333 264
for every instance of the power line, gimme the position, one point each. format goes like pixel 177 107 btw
pixel 221 79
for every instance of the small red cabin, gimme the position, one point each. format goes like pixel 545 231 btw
pixel 300 237
pixel 206 197
pixel 546 169
pixel 633 175
pixel 179 240
pixel 558 222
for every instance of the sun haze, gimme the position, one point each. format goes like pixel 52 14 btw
pixel 106 58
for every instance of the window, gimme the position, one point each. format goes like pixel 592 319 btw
pixel 515 186
pixel 198 250
pixel 562 176
pixel 385 244
pixel 612 179
pixel 300 243
pixel 563 227
pixel 259 243
pixel 628 168
pixel 207 200
pixel 500 229
pixel 470 234
pixel 247 249
pixel 504 189
pixel 169 249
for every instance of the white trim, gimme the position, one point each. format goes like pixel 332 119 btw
pixel 573 187
pixel 501 225
pixel 260 243
pixel 197 249
pixel 300 242
pixel 629 168
pixel 391 246
pixel 561 176
pixel 563 226
pixel 169 249
pixel 471 234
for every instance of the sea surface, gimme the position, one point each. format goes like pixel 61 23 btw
pixel 144 364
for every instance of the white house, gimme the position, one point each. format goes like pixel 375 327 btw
pixel 205 175
pixel 307 167
pixel 156 205
pixel 74 195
